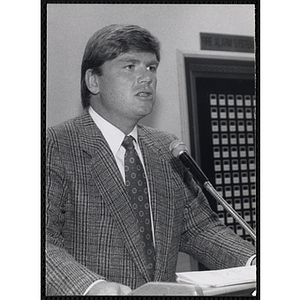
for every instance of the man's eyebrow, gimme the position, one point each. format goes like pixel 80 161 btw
pixel 154 62
pixel 131 60
pixel 136 61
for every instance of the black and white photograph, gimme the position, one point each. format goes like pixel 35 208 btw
pixel 151 149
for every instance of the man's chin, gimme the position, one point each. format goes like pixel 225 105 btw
pixel 145 110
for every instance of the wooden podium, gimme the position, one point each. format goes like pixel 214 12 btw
pixel 168 288
pixel 239 281
pixel 180 289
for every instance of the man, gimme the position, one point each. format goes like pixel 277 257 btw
pixel 95 232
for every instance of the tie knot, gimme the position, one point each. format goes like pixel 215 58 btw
pixel 128 142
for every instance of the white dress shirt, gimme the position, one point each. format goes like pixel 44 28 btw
pixel 114 138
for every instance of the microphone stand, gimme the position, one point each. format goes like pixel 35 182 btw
pixel 208 186
pixel 198 173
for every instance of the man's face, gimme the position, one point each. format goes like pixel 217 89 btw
pixel 127 88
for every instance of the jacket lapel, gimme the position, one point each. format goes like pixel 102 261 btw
pixel 162 201
pixel 109 181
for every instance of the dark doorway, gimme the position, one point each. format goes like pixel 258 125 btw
pixel 223 132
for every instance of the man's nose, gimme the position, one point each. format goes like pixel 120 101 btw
pixel 145 76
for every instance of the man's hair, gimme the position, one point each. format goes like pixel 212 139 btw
pixel 108 43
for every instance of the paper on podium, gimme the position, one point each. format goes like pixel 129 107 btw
pixel 221 281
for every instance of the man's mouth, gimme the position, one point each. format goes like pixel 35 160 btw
pixel 144 94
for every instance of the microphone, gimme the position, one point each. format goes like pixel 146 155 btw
pixel 179 150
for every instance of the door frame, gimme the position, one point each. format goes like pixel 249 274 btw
pixel 185 91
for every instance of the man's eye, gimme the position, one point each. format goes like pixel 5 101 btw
pixel 130 67
pixel 152 68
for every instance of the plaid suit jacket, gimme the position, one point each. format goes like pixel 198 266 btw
pixel 91 232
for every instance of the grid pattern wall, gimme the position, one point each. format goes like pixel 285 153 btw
pixel 233 141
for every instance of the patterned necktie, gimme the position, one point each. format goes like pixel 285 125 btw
pixel 136 185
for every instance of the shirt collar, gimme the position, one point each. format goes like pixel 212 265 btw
pixel 112 134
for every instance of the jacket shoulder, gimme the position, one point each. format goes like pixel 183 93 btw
pixel 67 129
pixel 159 137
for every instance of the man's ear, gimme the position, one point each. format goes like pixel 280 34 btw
pixel 91 81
